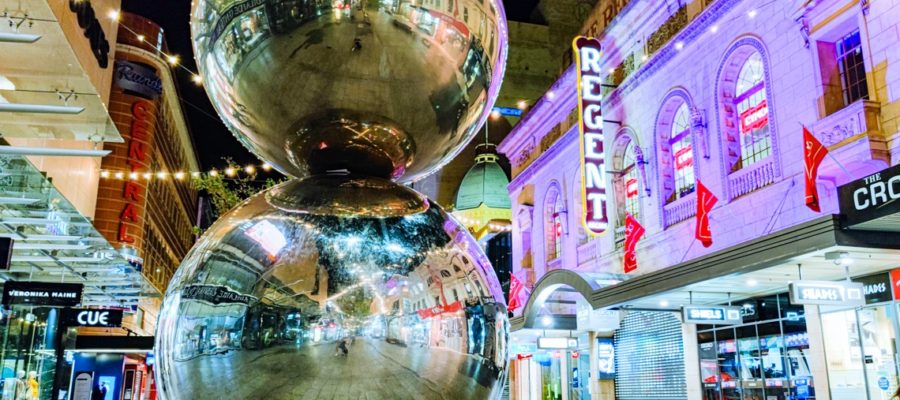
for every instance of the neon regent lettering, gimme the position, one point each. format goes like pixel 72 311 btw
pixel 588 57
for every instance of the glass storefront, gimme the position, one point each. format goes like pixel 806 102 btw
pixel 28 354
pixel 861 349
pixel 766 358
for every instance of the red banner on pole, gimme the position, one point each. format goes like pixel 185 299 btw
pixel 705 202
pixel 813 154
pixel 633 233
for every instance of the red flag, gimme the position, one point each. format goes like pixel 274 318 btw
pixel 515 292
pixel 633 232
pixel 705 202
pixel 813 154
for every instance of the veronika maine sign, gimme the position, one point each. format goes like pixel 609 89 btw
pixel 593 169
pixel 42 293
pixel 215 295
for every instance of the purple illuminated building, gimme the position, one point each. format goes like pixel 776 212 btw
pixel 717 91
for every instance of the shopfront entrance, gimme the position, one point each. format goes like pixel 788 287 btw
pixel 765 358
pixel 861 344
pixel 553 375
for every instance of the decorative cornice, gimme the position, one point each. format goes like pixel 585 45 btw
pixel 543 159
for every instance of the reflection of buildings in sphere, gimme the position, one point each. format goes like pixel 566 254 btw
pixel 419 83
pixel 275 288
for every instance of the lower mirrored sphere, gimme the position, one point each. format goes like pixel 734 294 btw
pixel 284 299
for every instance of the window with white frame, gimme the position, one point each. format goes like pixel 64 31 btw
pixel 753 112
pixel 630 182
pixel 682 152
pixel 848 51
pixel 554 215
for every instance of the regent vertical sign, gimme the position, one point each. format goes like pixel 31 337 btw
pixel 593 168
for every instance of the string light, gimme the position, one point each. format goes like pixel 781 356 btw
pixel 140 38
pixel 266 167
pixel 172 59
pixel 213 173
pixel 250 170
pixel 230 172
pixel 197 79
pixel 114 15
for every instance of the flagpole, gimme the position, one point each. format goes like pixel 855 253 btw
pixel 833 158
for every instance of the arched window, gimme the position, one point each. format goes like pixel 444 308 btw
pixel 553 215
pixel 630 181
pixel 753 111
pixel 627 179
pixel 682 152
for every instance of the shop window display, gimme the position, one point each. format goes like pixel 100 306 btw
pixel 28 355
pixel 860 348
pixel 764 359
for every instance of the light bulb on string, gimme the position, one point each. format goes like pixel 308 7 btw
pixel 250 169
pixel 230 172
pixel 213 173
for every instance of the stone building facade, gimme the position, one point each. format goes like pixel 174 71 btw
pixel 716 91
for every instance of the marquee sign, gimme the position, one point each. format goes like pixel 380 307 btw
pixel 138 149
pixel 871 198
pixel 593 169
pixel 137 78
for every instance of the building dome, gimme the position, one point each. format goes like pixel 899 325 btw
pixel 484 184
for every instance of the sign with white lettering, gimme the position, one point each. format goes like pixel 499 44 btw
pixel 42 293
pixel 137 78
pixel 872 197
pixel 558 343
pixel 712 315
pixel 876 288
pixel 109 318
pixel 827 293
pixel 593 169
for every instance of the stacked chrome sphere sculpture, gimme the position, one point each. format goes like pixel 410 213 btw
pixel 341 283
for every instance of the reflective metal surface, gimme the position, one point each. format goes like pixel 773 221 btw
pixel 289 301
pixel 389 88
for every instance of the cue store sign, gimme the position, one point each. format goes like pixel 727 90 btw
pixel 828 293
pixel 111 318
pixel 42 293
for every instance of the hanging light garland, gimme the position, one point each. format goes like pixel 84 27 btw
pixel 229 172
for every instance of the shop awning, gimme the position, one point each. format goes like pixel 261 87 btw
pixel 872 203
pixel 755 268
pixel 44 91
pixel 53 242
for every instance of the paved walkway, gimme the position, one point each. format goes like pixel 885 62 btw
pixel 373 370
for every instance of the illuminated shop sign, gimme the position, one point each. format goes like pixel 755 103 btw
pixel 755 117
pixel 712 315
pixel 137 154
pixel 872 197
pixel 827 293
pixel 876 288
pixel 87 21
pixel 42 293
pixel 559 343
pixel 508 111
pixel 684 158
pixel 631 188
pixel 590 118
pixel 606 359
pixel 138 79
pixel 94 318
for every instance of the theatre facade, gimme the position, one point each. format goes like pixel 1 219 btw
pixel 710 98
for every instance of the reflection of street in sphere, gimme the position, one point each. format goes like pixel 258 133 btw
pixel 387 89
pixel 265 303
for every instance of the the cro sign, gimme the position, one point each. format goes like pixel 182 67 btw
pixel 111 318
pixel 872 197
pixel 593 169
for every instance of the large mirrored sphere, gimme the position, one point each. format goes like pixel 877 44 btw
pixel 388 88
pixel 311 291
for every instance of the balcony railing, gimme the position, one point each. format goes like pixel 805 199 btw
pixel 587 252
pixel 680 210
pixel 856 119
pixel 751 178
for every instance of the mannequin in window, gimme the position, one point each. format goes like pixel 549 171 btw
pixel 32 389
pixel 20 386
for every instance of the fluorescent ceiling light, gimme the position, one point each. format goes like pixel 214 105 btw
pixel 6 84
pixel 50 151
pixel 13 37
pixel 40 108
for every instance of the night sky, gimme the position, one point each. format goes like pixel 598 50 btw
pixel 213 141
